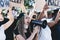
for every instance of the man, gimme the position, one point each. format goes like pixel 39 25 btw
pixel 50 24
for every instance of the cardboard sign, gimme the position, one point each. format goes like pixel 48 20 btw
pixel 39 5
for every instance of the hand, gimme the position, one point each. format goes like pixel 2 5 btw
pixel 36 29
pixel 19 37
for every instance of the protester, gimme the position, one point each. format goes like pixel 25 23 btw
pixel 5 26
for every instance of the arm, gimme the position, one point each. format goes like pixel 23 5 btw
pixel 11 19
pixel 19 37
pixel 51 24
pixel 42 14
pixel 36 30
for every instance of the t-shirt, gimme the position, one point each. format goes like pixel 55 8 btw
pixel 10 30
pixel 2 34
pixel 45 34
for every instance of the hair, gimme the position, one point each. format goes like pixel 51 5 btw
pixel 20 25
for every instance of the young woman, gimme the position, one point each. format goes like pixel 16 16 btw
pixel 6 25
pixel 25 30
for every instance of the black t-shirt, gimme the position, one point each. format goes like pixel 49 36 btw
pixel 10 30
pixel 28 33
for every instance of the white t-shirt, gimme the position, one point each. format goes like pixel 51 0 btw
pixel 2 34
pixel 45 34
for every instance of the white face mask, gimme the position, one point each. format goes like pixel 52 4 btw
pixel 47 19
pixel 43 19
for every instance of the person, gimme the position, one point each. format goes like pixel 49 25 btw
pixel 43 35
pixel 6 25
pixel 9 32
pixel 55 28
pixel 50 24
pixel 25 30
pixel 19 37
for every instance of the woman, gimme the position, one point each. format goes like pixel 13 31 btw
pixel 6 25
pixel 25 30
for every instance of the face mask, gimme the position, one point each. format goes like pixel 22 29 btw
pixel 49 20
pixel 43 19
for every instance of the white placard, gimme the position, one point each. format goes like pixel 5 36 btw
pixel 39 4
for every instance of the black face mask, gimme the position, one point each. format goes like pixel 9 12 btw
pixel 3 22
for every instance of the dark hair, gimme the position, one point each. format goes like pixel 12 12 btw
pixel 20 25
